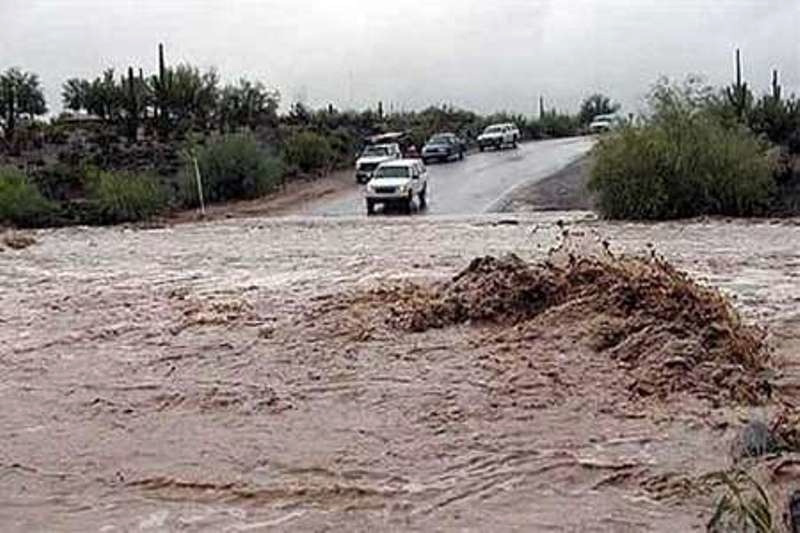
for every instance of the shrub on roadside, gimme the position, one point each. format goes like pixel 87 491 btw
pixel 231 167
pixel 21 203
pixel 61 181
pixel 681 162
pixel 308 151
pixel 556 125
pixel 117 197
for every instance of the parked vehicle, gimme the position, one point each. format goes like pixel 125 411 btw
pixel 603 123
pixel 499 135
pixel 443 147
pixel 398 183
pixel 372 157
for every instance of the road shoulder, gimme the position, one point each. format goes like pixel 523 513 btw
pixel 565 190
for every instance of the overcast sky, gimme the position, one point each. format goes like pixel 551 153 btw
pixel 481 54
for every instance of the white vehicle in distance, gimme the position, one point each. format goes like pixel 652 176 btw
pixel 397 183
pixel 374 155
pixel 603 123
pixel 499 135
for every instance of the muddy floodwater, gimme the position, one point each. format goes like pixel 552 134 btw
pixel 208 377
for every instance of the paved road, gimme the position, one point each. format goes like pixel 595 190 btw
pixel 479 183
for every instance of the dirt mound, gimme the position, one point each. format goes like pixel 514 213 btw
pixel 17 241
pixel 669 332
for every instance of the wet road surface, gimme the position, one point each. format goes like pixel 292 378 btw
pixel 479 183
pixel 184 378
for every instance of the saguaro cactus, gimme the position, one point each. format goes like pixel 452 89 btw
pixel 776 88
pixel 739 94
pixel 161 93
pixel 132 106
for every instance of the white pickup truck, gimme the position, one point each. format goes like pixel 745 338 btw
pixel 498 136
pixel 374 155
pixel 398 183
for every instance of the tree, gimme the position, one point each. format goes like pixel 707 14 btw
pixel 188 97
pixel 21 96
pixel 247 104
pixel 594 105
pixel 75 94
pixel 104 97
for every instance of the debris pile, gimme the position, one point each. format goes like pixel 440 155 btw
pixel 17 241
pixel 667 331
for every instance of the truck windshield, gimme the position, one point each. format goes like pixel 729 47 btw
pixel 494 129
pixel 376 151
pixel 392 172
pixel 440 139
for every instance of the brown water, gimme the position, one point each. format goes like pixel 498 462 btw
pixel 205 378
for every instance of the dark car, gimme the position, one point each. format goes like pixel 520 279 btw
pixel 443 147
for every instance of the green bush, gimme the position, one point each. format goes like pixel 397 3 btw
pixel 60 182
pixel 308 151
pixel 21 203
pixel 682 162
pixel 117 197
pixel 232 167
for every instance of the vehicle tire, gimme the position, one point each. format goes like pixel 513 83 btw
pixel 370 207
pixel 408 204
pixel 423 198
pixel 426 162
pixel 461 155
pixel 481 148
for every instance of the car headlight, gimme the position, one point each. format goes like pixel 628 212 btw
pixel 403 189
pixel 370 187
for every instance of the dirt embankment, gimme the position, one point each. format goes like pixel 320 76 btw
pixel 291 199
pixel 564 191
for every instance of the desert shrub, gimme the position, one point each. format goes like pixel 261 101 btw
pixel 60 181
pixel 308 151
pixel 117 197
pixel 344 145
pixel 778 120
pixel 232 167
pixel 21 203
pixel 554 125
pixel 681 162
pixel 743 505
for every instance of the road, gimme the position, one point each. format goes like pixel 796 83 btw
pixel 479 183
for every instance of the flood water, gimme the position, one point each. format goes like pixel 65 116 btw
pixel 185 378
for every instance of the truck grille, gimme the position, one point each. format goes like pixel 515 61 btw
pixel 385 190
pixel 367 167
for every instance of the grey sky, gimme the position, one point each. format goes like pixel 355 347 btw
pixel 481 54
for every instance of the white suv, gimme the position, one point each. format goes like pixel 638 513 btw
pixel 397 183
pixel 374 155
pixel 603 123
pixel 499 135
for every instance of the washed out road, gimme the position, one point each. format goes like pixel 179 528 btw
pixel 480 182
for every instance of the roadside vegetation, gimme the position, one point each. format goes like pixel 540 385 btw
pixel 233 167
pixel 702 151
pixel 117 197
pixel 125 147
pixel 21 203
